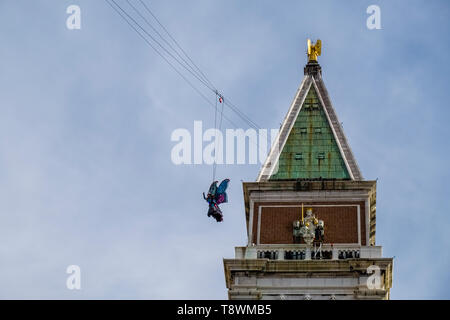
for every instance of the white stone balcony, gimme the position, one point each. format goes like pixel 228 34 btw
pixel 301 252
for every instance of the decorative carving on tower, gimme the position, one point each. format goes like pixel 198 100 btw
pixel 309 229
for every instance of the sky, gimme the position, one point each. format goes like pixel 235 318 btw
pixel 86 118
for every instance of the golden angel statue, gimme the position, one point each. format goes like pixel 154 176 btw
pixel 314 50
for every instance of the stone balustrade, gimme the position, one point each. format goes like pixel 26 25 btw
pixel 302 252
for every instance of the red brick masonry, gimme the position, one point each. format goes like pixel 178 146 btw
pixel 341 224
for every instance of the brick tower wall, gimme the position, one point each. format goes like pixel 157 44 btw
pixel 340 218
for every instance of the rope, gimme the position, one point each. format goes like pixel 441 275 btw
pixel 215 142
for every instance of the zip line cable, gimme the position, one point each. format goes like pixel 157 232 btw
pixel 162 47
pixel 215 144
pixel 193 69
pixel 246 119
pixel 174 41
pixel 232 107
pixel 168 62
pixel 217 94
pixel 200 75
pixel 253 124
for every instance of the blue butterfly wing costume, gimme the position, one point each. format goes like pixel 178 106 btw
pixel 216 195
pixel 221 195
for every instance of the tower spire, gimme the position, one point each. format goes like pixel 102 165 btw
pixel 311 143
pixel 329 252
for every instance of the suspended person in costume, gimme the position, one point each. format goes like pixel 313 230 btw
pixel 216 195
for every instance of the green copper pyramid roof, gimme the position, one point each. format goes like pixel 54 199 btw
pixel 311 143
pixel 311 150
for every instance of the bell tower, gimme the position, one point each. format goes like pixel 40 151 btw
pixel 310 215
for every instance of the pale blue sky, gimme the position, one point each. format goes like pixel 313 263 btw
pixel 86 118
